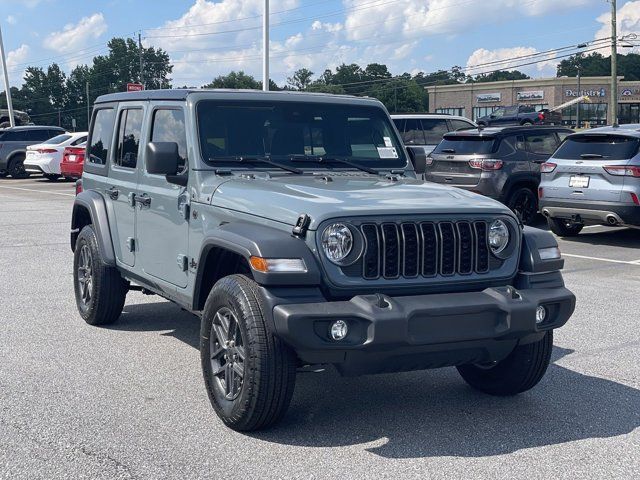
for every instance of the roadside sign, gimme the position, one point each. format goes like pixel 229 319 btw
pixel 134 87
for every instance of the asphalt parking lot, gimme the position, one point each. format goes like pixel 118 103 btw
pixel 128 401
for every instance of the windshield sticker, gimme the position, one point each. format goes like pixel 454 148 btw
pixel 387 142
pixel 387 152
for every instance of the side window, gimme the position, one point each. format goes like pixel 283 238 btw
pixel 520 145
pixel 458 124
pixel 563 135
pixel 434 130
pixel 399 122
pixel 101 134
pixel 129 128
pixel 53 133
pixel 15 136
pixel 38 135
pixel 168 126
pixel 413 134
pixel 80 140
pixel 507 146
pixel 541 143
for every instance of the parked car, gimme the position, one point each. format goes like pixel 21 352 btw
pixel 427 129
pixel 13 146
pixel 19 118
pixel 45 157
pixel 72 162
pixel 520 115
pixel 499 162
pixel 294 226
pixel 593 178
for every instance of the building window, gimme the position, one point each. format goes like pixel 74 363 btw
pixel 483 112
pixel 629 113
pixel 451 111
pixel 540 106
pixel 591 115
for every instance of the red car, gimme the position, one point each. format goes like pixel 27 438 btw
pixel 72 163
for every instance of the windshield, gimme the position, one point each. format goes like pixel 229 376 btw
pixel 586 147
pixel 466 145
pixel 286 130
pixel 57 140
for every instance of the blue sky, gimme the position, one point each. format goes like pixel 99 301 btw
pixel 208 38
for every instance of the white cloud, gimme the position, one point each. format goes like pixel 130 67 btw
pixel 12 20
pixel 484 61
pixel 15 64
pixel 628 22
pixel 75 36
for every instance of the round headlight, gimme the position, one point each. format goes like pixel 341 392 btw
pixel 498 236
pixel 337 242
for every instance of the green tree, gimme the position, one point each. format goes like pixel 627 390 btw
pixel 301 79
pixel 500 75
pixel 597 65
pixel 235 79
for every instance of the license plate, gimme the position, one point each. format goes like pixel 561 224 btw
pixel 579 181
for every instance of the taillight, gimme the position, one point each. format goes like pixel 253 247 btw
pixel 429 161
pixel 634 198
pixel 622 171
pixel 78 186
pixel 540 116
pixel 548 167
pixel 73 155
pixel 486 165
pixel 46 150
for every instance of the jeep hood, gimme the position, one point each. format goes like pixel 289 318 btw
pixel 284 198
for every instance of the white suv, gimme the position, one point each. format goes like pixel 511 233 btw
pixel 427 129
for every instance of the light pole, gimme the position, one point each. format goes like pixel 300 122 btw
pixel 614 65
pixel 7 88
pixel 265 47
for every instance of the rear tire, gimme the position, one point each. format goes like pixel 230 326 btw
pixel 52 177
pixel 16 167
pixel 524 203
pixel 519 372
pixel 100 289
pixel 249 373
pixel 564 228
pixel 526 123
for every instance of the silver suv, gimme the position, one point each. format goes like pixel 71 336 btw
pixel 427 129
pixel 593 178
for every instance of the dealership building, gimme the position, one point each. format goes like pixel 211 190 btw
pixel 474 100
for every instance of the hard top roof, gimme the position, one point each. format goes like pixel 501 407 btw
pixel 34 127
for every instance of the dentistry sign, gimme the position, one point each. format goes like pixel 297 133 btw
pixel 595 92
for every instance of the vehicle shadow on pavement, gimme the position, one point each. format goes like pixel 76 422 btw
pixel 434 413
pixel 615 237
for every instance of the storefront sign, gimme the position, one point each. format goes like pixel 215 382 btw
pixel 531 95
pixel 588 93
pixel 489 97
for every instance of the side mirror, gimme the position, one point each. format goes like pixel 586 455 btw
pixel 162 158
pixel 418 159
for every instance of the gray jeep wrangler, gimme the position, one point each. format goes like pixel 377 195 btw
pixel 294 226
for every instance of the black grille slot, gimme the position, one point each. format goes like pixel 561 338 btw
pixel 448 246
pixel 371 260
pixel 411 252
pixel 429 250
pixel 391 251
pixel 465 252
pixel 424 249
pixel 482 253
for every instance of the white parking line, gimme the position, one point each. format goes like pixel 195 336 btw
pixel 610 260
pixel 39 191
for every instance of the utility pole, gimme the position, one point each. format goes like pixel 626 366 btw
pixel 578 104
pixel 613 104
pixel 265 47
pixel 88 104
pixel 7 88
pixel 141 59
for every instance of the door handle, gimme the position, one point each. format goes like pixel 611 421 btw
pixel 113 193
pixel 144 200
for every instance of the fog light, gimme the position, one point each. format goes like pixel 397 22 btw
pixel 541 314
pixel 338 330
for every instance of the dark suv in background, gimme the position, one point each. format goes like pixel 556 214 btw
pixel 500 162
pixel 13 146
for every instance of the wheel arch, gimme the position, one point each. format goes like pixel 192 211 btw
pixel 89 209
pixel 518 181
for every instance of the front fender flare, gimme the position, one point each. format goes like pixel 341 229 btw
pixel 92 202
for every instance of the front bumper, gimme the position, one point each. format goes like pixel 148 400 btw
pixel 421 331
pixel 606 213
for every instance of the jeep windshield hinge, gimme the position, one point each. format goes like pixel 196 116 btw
pixel 302 225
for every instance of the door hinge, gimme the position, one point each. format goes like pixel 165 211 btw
pixel 193 264
pixel 131 244
pixel 302 225
pixel 183 262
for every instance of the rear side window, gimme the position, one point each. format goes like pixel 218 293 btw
pixel 79 140
pixel 129 128
pixel 595 147
pixel 168 126
pixel 458 124
pixel 101 135
pixel 434 129
pixel 541 143
pixel 38 135
pixel 412 133
pixel 58 140
pixel 15 136
pixel 460 145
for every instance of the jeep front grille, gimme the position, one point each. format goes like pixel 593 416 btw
pixel 426 249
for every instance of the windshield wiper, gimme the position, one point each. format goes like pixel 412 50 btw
pixel 265 159
pixel 591 155
pixel 321 159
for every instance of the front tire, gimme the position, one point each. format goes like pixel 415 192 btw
pixel 524 203
pixel 100 289
pixel 249 373
pixel 519 372
pixel 564 228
